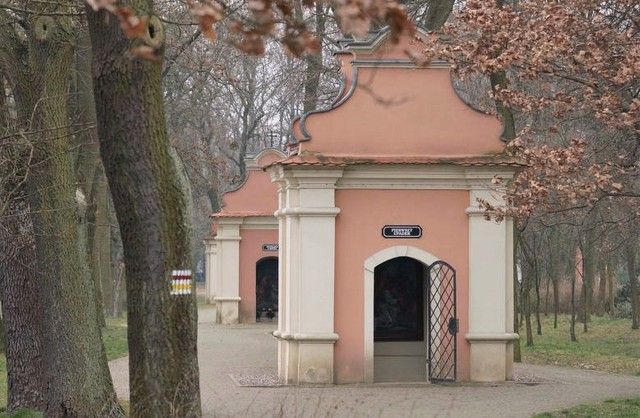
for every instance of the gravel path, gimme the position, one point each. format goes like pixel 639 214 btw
pixel 238 379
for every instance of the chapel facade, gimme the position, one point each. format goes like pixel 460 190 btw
pixel 389 270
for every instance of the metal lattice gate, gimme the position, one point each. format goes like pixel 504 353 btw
pixel 443 324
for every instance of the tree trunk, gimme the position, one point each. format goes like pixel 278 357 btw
pixel 214 200
pixel 633 283
pixel 547 293
pixel 588 278
pixel 527 280
pixel 499 82
pixel 556 302
pixel 90 175
pixel 613 288
pixel 536 273
pixel 438 12
pixel 150 204
pixel 22 330
pixel 118 285
pixel 314 64
pixel 118 276
pixel 26 380
pixel 602 288
pixel 3 339
pixel 517 352
pixel 572 327
pixel 4 110
pixel 100 244
pixel 73 364
pixel 75 360
pixel 554 277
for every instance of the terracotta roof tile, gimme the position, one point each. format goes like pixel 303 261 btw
pixel 315 159
pixel 241 214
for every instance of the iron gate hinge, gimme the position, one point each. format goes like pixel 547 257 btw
pixel 453 325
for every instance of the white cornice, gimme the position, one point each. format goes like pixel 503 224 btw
pixel 259 222
pixel 308 212
pixel 392 176
pixel 440 177
pixel 398 63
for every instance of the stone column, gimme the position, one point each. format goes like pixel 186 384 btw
pixel 308 245
pixel 210 268
pixel 490 293
pixel 227 293
pixel 282 273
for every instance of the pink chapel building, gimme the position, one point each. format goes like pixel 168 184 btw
pixel 388 270
pixel 242 254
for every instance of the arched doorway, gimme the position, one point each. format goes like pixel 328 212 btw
pixel 398 320
pixel 414 321
pixel 267 289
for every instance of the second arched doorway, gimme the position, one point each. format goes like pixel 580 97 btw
pixel 267 289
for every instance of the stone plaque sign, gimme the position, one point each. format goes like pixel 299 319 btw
pixel 402 231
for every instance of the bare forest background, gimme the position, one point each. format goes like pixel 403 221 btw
pixel 122 125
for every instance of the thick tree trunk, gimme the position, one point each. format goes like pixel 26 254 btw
pixel 75 361
pixel 72 364
pixel 22 331
pixel 4 110
pixel 214 200
pixel 438 12
pixel 90 175
pixel 26 381
pixel 150 203
pixel 500 82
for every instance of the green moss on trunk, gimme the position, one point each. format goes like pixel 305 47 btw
pixel 151 206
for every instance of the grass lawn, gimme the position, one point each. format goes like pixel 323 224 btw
pixel 114 338
pixel 609 346
pixel 611 408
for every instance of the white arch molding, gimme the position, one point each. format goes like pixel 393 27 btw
pixel 369 266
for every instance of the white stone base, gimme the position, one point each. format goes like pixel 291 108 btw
pixel 491 357
pixel 307 358
pixel 227 310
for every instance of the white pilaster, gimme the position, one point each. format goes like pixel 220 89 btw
pixel 283 307
pixel 307 242
pixel 509 302
pixel 490 281
pixel 228 272
pixel 210 268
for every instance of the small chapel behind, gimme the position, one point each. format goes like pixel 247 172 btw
pixel 387 268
